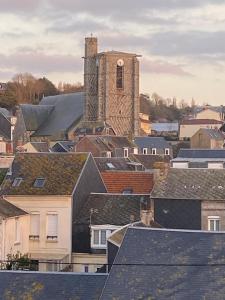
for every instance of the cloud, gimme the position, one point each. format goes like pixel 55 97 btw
pixel 192 43
pixel 38 62
pixel 24 6
pixel 163 67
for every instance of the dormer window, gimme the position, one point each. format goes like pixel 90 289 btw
pixel 17 181
pixel 145 151
pixel 153 151
pixel 39 182
pixel 167 151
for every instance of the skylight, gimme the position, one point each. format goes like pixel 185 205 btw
pixel 111 166
pixel 17 181
pixel 39 182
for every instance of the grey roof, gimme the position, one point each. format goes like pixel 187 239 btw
pixel 5 112
pixel 196 184
pixel 5 127
pixel 8 210
pixel 68 110
pixel 212 133
pixel 113 209
pixel 218 109
pixel 165 126
pixel 63 146
pixel 35 115
pixel 201 153
pixel 168 264
pixel 151 142
pixel 113 164
pixel 50 286
pixel 151 161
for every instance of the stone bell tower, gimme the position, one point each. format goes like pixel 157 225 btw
pixel 111 82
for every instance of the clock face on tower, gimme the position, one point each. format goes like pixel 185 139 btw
pixel 120 62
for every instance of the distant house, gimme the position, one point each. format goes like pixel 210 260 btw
pixel 52 188
pixel 165 129
pixel 33 147
pixel 207 138
pixel 53 119
pixel 200 158
pixel 154 263
pixel 101 215
pixel 128 182
pixel 191 199
pixel 153 146
pixel 106 146
pixel 189 127
pixel 63 146
pixel 210 112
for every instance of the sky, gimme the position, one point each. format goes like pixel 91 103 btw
pixel 182 42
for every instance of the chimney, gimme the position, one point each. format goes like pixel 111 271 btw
pixel 91 46
pixel 147 217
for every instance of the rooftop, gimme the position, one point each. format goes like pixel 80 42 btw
pixel 60 172
pixel 151 142
pixel 201 153
pixel 200 121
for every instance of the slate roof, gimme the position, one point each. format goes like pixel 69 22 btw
pixel 5 112
pixel 151 142
pixel 68 110
pixel 113 209
pixel 167 264
pixel 201 153
pixel 212 133
pixel 63 146
pixel 60 171
pixel 109 142
pixel 8 210
pixel 113 164
pixel 151 161
pixel 195 184
pixel 50 286
pixel 160 127
pixel 200 122
pixel 138 182
pixel 5 127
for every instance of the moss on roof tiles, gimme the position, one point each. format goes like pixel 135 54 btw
pixel 60 171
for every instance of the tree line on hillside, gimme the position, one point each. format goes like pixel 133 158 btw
pixel 165 109
pixel 25 88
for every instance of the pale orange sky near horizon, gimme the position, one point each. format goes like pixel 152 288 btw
pixel 182 42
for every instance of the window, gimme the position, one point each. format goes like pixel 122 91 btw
pixel 128 191
pixel 52 226
pixel 135 151
pixel 167 151
pixel 100 237
pixel 119 77
pixel 125 152
pixel 145 150
pixel 86 268
pixel 34 226
pixel 52 266
pixel 17 181
pixel 214 223
pixel 17 230
pixel 108 154
pixel 39 182
pixel 153 151
pixel 110 166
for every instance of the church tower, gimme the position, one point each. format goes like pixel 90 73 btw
pixel 111 83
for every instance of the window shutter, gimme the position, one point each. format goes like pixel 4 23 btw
pixel 35 224
pixel 52 225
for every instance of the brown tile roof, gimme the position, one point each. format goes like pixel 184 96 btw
pixel 117 182
pixel 200 121
pixel 60 171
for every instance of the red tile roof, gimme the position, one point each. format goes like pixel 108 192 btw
pixel 200 121
pixel 117 182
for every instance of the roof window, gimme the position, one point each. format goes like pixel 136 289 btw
pixel 39 182
pixel 17 181
pixel 110 166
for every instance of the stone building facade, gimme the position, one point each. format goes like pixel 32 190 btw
pixel 111 81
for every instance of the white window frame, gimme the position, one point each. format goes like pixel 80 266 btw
pixel 135 150
pixel 108 154
pixel 215 219
pixel 109 230
pixel 52 237
pixel 33 236
pixel 145 151
pixel 167 151
pixel 154 151
pixel 126 152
